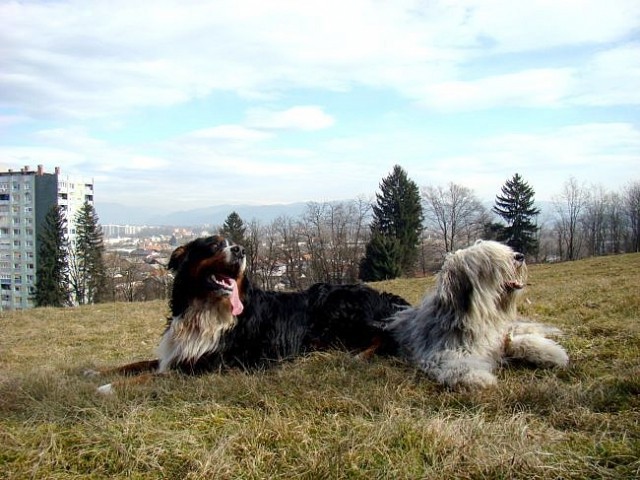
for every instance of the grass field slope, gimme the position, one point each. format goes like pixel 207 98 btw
pixel 328 415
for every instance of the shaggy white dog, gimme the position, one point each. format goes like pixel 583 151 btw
pixel 467 327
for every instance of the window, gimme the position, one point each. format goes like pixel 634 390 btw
pixel 5 196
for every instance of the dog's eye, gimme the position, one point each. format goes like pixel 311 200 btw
pixel 222 244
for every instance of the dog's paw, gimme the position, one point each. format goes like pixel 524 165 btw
pixel 538 350
pixel 475 380
pixel 464 379
pixel 553 356
pixel 106 389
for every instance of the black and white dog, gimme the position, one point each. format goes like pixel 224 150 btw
pixel 220 319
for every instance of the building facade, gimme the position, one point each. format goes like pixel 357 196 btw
pixel 25 198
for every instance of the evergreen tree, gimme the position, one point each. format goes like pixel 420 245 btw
pixel 88 271
pixel 382 259
pixel 397 217
pixel 52 282
pixel 516 207
pixel 234 229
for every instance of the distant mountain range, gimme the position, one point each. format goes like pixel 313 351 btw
pixel 117 214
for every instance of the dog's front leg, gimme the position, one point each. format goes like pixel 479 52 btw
pixel 537 350
pixel 460 370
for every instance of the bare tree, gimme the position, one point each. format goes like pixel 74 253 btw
pixel 454 212
pixel 129 278
pixel 569 206
pixel 616 222
pixel 263 259
pixel 632 210
pixel 290 251
pixel 594 220
pixel 335 239
pixel 252 243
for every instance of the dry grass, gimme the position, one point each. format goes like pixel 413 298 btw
pixel 328 415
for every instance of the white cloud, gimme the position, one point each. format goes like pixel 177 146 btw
pixel 229 132
pixel 100 64
pixel 611 77
pixel 603 152
pixel 530 88
pixel 304 117
pixel 546 24
pixel 90 59
pixel 20 156
pixel 10 120
pixel 71 137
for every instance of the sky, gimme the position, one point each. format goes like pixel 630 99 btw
pixel 177 105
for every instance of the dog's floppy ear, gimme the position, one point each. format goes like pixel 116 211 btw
pixel 177 257
pixel 456 287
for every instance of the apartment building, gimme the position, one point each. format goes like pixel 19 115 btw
pixel 25 198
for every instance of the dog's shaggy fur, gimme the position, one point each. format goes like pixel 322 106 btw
pixel 219 319
pixel 468 326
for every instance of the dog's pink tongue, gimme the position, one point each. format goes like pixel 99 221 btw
pixel 236 304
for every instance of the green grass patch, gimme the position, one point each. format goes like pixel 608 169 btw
pixel 328 415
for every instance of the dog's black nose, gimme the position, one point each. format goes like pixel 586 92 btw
pixel 238 251
pixel 519 257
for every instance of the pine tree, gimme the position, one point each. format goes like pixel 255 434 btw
pixel 52 282
pixel 382 259
pixel 516 207
pixel 234 229
pixel 88 270
pixel 397 217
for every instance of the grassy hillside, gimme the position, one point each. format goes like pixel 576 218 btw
pixel 328 415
